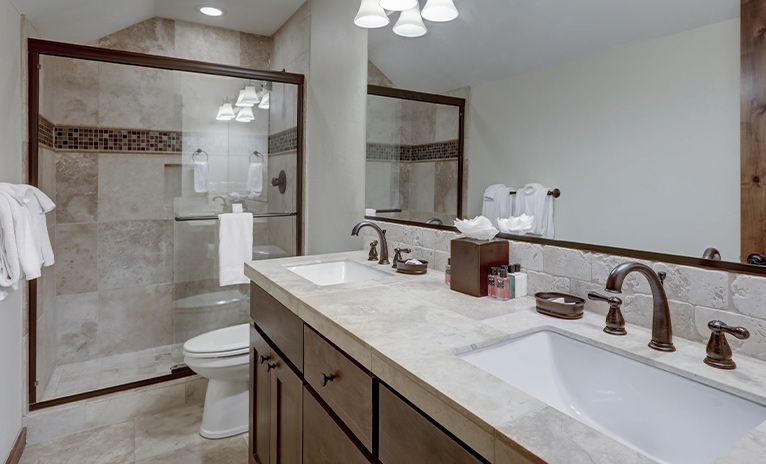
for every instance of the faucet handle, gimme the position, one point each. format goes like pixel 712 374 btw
pixel 615 323
pixel 718 350
pixel 662 275
pixel 373 251
pixel 398 255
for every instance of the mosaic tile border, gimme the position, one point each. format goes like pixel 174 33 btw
pixel 71 138
pixel 45 135
pixel 409 153
pixel 123 140
pixel 283 141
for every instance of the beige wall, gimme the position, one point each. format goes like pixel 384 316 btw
pixel 337 102
pixel 11 380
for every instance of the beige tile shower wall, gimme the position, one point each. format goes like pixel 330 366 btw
pixel 696 295
pixel 114 233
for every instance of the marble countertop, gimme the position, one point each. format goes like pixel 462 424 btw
pixel 407 330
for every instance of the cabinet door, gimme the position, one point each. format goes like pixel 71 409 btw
pixel 260 399
pixel 324 441
pixel 286 412
pixel 407 436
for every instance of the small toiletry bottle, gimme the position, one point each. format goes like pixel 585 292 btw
pixel 521 281
pixel 512 279
pixel 491 288
pixel 448 273
pixel 504 286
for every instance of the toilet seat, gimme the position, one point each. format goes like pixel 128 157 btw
pixel 220 343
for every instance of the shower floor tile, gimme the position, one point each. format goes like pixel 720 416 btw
pixel 74 378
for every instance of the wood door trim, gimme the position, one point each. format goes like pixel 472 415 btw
pixel 18 447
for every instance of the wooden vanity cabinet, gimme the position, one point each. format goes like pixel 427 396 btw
pixel 407 436
pixel 324 440
pixel 276 399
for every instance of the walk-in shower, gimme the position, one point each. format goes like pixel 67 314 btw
pixel 114 137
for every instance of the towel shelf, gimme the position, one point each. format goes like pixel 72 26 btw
pixel 555 193
pixel 393 210
pixel 215 218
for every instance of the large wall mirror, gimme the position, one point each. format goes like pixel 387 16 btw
pixel 414 155
pixel 631 110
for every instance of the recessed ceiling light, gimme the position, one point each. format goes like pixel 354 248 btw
pixel 210 10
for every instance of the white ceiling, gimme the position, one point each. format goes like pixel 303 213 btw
pixel 495 39
pixel 84 21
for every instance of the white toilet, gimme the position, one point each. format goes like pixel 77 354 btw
pixel 222 356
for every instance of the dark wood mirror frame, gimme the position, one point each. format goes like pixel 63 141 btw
pixel 39 47
pixel 411 95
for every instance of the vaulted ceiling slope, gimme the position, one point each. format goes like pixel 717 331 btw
pixel 84 21
pixel 496 39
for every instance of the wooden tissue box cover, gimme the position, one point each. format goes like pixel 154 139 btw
pixel 472 261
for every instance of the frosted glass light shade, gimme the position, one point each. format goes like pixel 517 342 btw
pixel 264 105
pixel 225 112
pixel 247 97
pixel 398 5
pixel 439 11
pixel 410 24
pixel 245 114
pixel 371 15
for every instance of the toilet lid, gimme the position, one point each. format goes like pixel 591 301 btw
pixel 229 341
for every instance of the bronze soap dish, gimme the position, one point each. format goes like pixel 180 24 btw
pixel 572 308
pixel 415 269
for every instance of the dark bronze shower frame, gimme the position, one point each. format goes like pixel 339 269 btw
pixel 411 95
pixel 65 50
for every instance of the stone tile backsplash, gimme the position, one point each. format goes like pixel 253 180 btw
pixel 696 295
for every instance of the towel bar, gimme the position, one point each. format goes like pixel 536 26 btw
pixel 555 193
pixel 215 218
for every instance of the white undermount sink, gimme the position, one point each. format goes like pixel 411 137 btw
pixel 662 415
pixel 337 272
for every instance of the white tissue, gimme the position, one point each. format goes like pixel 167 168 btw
pixel 516 224
pixel 413 261
pixel 479 228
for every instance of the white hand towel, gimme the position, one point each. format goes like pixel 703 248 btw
pixel 496 203
pixel 201 175
pixel 30 259
pixel 534 200
pixel 255 178
pixel 37 204
pixel 235 247
pixel 9 255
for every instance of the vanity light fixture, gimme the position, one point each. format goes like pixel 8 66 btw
pixel 439 11
pixel 397 5
pixel 245 114
pixel 410 23
pixel 264 104
pixel 225 112
pixel 371 15
pixel 248 97
pixel 210 10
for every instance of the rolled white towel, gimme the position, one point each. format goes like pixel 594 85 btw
pixel 201 176
pixel 255 178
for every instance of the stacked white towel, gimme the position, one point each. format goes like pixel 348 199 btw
pixel 235 247
pixel 533 200
pixel 201 176
pixel 255 178
pixel 25 246
pixel 496 203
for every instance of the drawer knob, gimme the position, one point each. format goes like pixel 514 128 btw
pixel 264 358
pixel 327 378
pixel 270 366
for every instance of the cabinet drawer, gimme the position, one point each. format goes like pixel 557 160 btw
pixel 279 324
pixel 324 441
pixel 351 390
pixel 408 436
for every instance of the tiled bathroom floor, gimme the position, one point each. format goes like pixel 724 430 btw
pixel 70 379
pixel 169 437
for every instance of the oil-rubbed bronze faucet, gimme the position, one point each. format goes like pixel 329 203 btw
pixel 718 349
pixel 662 332
pixel 381 239
pixel 615 323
